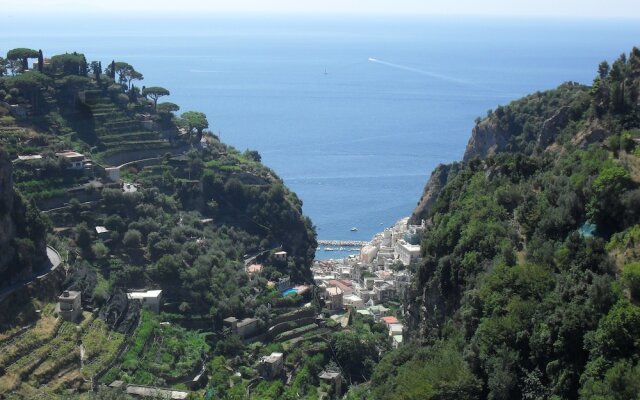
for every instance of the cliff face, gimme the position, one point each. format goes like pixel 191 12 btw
pixel 487 138
pixel 437 181
pixel 532 124
pixel 22 231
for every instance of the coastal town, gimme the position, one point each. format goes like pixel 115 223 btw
pixel 379 275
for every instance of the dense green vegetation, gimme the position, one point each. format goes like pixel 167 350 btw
pixel 353 351
pixel 22 230
pixel 189 216
pixel 528 288
pixel 156 235
pixel 160 355
pixel 515 298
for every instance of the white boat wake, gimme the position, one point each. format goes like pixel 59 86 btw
pixel 427 73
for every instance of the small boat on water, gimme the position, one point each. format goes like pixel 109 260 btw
pixel 354 229
pixel 329 249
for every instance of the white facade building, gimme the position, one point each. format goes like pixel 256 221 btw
pixel 407 253
pixel 353 301
pixel 150 298
pixel 368 253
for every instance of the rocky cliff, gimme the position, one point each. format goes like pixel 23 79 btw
pixel 437 181
pixel 22 231
pixel 487 138
pixel 531 124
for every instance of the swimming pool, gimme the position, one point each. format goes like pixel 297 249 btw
pixel 289 291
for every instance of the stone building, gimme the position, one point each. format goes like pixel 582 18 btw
pixel 70 305
pixel 271 365
pixel 149 298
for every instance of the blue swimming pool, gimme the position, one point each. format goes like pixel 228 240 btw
pixel 289 291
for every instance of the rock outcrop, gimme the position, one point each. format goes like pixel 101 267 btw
pixel 551 127
pixel 487 138
pixel 437 181
pixel 593 133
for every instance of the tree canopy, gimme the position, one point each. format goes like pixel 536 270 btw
pixel 22 54
pixel 194 120
pixel 69 64
pixel 30 80
pixel 167 107
pixel 155 92
pixel 126 73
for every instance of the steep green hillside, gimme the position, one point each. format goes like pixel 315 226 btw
pixel 529 285
pixel 22 231
pixel 182 212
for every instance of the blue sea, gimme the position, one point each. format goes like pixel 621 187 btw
pixel 353 113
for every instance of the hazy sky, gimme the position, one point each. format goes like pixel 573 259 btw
pixel 559 8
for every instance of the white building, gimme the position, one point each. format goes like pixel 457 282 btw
pixel 395 329
pixel 407 253
pixel 76 160
pixel 353 301
pixel 396 341
pixel 368 253
pixel 150 298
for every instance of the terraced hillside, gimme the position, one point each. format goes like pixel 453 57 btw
pixel 137 199
pixel 51 354
pixel 118 131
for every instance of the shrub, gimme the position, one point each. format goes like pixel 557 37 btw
pixel 631 279
pixel 132 238
pixel 100 250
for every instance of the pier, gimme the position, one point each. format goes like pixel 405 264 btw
pixel 352 243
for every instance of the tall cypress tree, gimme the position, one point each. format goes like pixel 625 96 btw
pixel 112 72
pixel 40 61
pixel 83 66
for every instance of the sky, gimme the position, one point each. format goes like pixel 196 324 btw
pixel 525 8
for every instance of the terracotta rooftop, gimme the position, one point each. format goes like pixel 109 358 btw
pixel 390 320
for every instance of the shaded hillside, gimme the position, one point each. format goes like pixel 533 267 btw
pixel 22 231
pixel 529 284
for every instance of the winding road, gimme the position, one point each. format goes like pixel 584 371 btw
pixel 54 262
